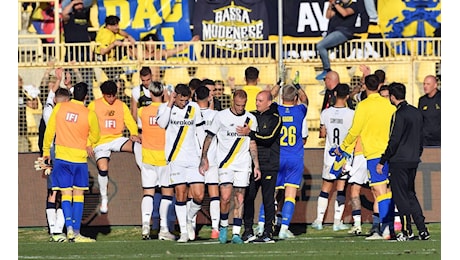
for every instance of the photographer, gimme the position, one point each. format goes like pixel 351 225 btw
pixel 342 16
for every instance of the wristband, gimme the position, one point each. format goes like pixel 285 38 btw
pixel 297 86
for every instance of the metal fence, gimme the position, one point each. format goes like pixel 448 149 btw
pixel 404 60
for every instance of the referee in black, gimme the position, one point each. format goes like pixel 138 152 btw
pixel 403 154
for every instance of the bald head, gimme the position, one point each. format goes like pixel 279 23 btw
pixel 331 80
pixel 430 85
pixel 263 100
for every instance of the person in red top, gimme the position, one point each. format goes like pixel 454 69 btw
pixel 113 116
pixel 72 127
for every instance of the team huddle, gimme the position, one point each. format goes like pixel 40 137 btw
pixel 183 146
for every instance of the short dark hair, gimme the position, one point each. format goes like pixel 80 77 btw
pixel 202 93
pixel 251 73
pixel 109 87
pixel 112 20
pixel 398 90
pixel 183 90
pixel 80 90
pixel 205 82
pixel 381 75
pixel 372 82
pixel 145 71
pixel 384 87
pixel 150 37
pixel 194 83
pixel 62 92
pixel 342 90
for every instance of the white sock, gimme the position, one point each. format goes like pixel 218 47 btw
pixel 357 220
pixel 192 211
pixel 103 183
pixel 60 221
pixel 51 217
pixel 214 210
pixel 284 228
pixel 338 211
pixel 164 206
pixel 236 230
pixel 146 210
pixel 181 213
pixel 322 206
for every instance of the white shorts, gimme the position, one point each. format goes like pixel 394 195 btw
pixel 184 175
pixel 138 153
pixel 150 175
pixel 358 172
pixel 105 150
pixel 329 176
pixel 212 175
pixel 239 179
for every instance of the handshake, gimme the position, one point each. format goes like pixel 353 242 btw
pixel 42 164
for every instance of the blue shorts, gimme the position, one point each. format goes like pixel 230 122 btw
pixel 290 172
pixel 374 177
pixel 68 175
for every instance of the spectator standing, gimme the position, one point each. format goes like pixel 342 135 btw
pixel 234 164
pixel 267 138
pixel 371 122
pixel 72 126
pixel 113 116
pixel 75 18
pixel 430 106
pixel 26 101
pixel 342 16
pixel 184 122
pixel 335 122
pixel 219 93
pixel 403 152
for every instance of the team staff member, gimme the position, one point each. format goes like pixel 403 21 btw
pixel 267 137
pixel 430 106
pixel 72 127
pixel 403 154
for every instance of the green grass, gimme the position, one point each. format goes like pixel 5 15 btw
pixel 125 243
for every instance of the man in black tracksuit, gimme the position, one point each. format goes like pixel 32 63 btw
pixel 403 154
pixel 267 138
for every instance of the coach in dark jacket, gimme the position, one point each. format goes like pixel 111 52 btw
pixel 403 155
pixel 267 138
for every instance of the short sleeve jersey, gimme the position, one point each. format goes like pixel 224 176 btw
pixel 232 149
pixel 337 122
pixel 182 144
pixel 291 143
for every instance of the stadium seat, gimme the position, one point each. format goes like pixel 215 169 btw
pixel 174 76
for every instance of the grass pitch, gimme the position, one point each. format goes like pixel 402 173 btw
pixel 125 243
